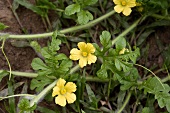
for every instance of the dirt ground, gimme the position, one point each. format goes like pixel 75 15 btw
pixel 21 58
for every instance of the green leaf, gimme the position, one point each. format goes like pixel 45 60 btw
pixel 89 2
pixel 90 93
pixel 3 74
pixel 28 5
pixel 55 45
pixel 64 67
pixel 72 9
pixel 121 65
pixel 35 46
pixel 127 79
pixel 38 64
pixel 39 83
pixel 2 26
pixel 45 4
pixel 105 39
pixel 92 97
pixel 102 73
pixel 46 53
pixel 146 110
pixel 84 17
pixel 120 44
pixel 132 55
pixel 61 56
pixel 15 5
pixel 24 105
pixel 149 85
pixel 144 36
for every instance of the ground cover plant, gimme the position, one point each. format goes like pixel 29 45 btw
pixel 98 56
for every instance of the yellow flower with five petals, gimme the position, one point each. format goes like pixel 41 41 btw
pixel 124 6
pixel 64 92
pixel 84 55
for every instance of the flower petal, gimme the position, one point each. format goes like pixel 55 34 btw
pixel 118 8
pixel 83 62
pixel 60 83
pixel 56 91
pixel 71 97
pixel 70 87
pixel 131 3
pixel 82 46
pixel 61 100
pixel 127 11
pixel 91 58
pixel 117 2
pixel 75 54
pixel 90 48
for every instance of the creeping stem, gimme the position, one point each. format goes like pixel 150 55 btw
pixel 68 30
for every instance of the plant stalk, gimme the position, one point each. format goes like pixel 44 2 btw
pixel 125 103
pixel 160 16
pixel 126 31
pixel 17 95
pixel 68 30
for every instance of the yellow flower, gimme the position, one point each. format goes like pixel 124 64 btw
pixel 64 92
pixel 84 55
pixel 123 51
pixel 124 6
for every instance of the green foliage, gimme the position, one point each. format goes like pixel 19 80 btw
pixel 92 98
pixel 83 15
pixel 127 80
pixel 72 9
pixel 111 58
pixel 40 82
pixel 24 106
pixel 55 65
pixel 105 40
pixel 3 26
pixel 3 74
pixel 41 8
pixel 160 90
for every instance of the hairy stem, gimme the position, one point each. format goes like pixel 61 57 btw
pixel 68 30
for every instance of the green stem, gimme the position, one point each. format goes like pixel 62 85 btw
pixel 95 79
pixel 152 73
pixel 9 65
pixel 18 95
pixel 34 75
pixel 74 69
pixel 42 93
pixel 125 103
pixel 22 74
pixel 127 31
pixel 68 30
pixel 48 88
pixel 160 16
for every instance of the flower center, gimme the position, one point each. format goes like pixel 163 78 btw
pixel 84 54
pixel 63 91
pixel 123 2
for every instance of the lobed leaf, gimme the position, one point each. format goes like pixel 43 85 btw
pixel 72 9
